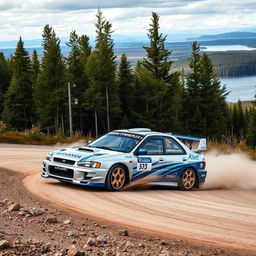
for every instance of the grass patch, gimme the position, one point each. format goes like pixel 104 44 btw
pixel 35 138
pixel 229 148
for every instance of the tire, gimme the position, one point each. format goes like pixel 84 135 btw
pixel 188 179
pixel 116 178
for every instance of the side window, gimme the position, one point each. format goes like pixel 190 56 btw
pixel 172 147
pixel 154 147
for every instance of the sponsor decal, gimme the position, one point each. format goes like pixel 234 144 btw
pixel 144 163
pixel 193 156
pixel 71 155
pixel 129 135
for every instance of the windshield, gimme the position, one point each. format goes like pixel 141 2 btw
pixel 117 142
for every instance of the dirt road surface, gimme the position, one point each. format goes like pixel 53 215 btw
pixel 221 217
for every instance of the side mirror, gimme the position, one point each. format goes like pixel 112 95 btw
pixel 142 151
pixel 89 142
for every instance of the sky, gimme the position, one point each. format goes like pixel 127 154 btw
pixel 178 19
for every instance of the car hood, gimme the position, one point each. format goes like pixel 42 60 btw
pixel 84 153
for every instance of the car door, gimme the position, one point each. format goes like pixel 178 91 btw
pixel 175 156
pixel 148 157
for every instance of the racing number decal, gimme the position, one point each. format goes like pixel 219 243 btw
pixel 144 164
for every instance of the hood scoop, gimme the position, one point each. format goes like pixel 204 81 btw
pixel 85 149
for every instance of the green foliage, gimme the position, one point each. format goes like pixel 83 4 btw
pixel 157 61
pixel 51 89
pixel 125 84
pixel 227 64
pixel 213 104
pixel 104 79
pixel 35 67
pixel 205 97
pixel 76 61
pixel 18 103
pixel 5 77
pixel 153 95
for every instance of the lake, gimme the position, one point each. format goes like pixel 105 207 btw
pixel 243 88
pixel 224 48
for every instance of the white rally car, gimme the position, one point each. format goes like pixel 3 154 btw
pixel 122 157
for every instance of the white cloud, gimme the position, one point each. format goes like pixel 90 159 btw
pixel 27 18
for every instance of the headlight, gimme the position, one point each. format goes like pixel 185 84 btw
pixel 90 164
pixel 49 158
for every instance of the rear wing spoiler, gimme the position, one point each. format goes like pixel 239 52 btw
pixel 190 140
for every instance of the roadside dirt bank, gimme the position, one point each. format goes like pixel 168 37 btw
pixel 209 219
pixel 38 227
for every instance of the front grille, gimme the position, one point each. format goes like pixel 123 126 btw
pixel 63 161
pixel 61 171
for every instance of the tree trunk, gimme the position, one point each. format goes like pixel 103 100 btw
pixel 107 102
pixel 96 123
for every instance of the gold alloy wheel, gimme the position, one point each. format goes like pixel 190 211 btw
pixel 189 179
pixel 117 178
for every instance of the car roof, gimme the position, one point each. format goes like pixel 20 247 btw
pixel 144 131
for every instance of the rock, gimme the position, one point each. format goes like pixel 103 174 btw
pixel 58 254
pixel 45 248
pixel 72 234
pixel 165 253
pixel 102 238
pixel 129 244
pixel 163 242
pixel 4 244
pixel 141 245
pixel 21 213
pixel 66 222
pixel 14 207
pixel 5 201
pixel 5 214
pixel 73 251
pixel 123 232
pixel 36 212
pixel 64 250
pixel 52 220
pixel 91 241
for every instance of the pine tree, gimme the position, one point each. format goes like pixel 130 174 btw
pixel 125 80
pixel 241 121
pixel 85 48
pixel 145 92
pixel 235 121
pixel 18 104
pixel 192 94
pixel 251 135
pixel 159 89
pixel 51 88
pixel 157 60
pixel 213 100
pixel 106 75
pixel 5 77
pixel 76 62
pixel 35 67
pixel 93 95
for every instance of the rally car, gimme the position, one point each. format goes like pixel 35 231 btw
pixel 123 157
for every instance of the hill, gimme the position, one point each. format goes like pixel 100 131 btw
pixel 228 64
pixel 229 35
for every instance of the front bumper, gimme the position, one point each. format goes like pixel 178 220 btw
pixel 74 174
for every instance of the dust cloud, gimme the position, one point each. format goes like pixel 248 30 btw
pixel 70 145
pixel 230 171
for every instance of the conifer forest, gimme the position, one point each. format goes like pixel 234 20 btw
pixel 107 96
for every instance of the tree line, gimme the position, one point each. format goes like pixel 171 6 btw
pixel 227 64
pixel 34 92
